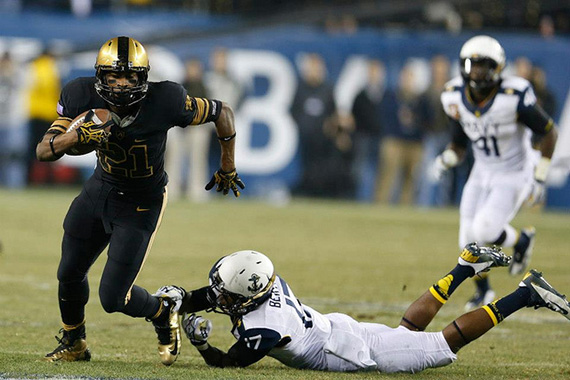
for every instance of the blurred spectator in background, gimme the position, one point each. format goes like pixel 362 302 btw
pixel 546 27
pixel 81 8
pixel 544 95
pixel 188 147
pixel 7 92
pixel 536 76
pixel 220 84
pixel 344 24
pixel 339 129
pixel 139 4
pixel 368 118
pixel 10 6
pixel 443 14
pixel 436 136
pixel 523 68
pixel 43 95
pixel 401 149
pixel 322 136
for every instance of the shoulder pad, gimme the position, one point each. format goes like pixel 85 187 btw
pixel 165 85
pixel 512 84
pixel 454 84
pixel 78 96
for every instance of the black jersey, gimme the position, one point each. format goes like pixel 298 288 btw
pixel 133 158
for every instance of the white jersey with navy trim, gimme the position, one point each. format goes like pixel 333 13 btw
pixel 500 142
pixel 301 337
pixel 302 330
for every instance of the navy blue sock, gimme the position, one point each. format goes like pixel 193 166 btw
pixel 502 308
pixel 482 283
pixel 443 289
pixel 522 243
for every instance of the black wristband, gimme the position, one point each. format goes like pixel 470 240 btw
pixel 202 346
pixel 52 148
pixel 227 138
pixel 224 172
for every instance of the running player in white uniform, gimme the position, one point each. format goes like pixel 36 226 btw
pixel 498 116
pixel 270 321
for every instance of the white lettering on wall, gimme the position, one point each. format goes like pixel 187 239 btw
pixel 271 109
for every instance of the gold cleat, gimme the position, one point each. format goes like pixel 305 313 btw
pixel 69 351
pixel 167 328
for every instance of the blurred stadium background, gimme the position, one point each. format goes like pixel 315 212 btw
pixel 267 42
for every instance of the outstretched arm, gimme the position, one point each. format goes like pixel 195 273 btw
pixel 239 355
pixel 226 178
pixel 544 128
pixel 195 300
pixel 459 140
pixel 453 154
pixel 244 352
pixel 548 142
pixel 225 129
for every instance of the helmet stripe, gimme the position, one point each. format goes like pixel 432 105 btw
pixel 123 52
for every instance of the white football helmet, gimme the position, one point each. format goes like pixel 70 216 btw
pixel 483 50
pixel 240 282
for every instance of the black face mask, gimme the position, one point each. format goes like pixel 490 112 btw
pixel 487 82
pixel 121 96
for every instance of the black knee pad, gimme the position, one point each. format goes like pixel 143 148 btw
pixel 110 300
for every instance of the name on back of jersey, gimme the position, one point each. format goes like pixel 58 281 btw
pixel 275 298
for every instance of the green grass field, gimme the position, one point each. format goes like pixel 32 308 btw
pixel 365 260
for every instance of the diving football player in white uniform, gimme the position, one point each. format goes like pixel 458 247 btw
pixel 498 115
pixel 270 321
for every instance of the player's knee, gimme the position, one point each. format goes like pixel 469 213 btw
pixel 64 277
pixel 67 274
pixel 485 231
pixel 111 301
pixel 74 291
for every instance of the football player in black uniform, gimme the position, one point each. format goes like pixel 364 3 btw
pixel 121 205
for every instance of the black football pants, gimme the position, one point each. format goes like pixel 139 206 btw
pixel 99 217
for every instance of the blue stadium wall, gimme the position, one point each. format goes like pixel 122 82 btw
pixel 395 49
pixel 288 43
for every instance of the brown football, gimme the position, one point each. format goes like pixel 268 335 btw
pixel 101 117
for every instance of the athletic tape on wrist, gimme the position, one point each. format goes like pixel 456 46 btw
pixel 541 170
pixel 449 158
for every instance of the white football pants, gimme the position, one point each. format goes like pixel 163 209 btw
pixel 489 202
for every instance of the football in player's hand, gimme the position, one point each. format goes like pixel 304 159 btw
pixel 100 117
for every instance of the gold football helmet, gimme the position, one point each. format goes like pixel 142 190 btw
pixel 122 54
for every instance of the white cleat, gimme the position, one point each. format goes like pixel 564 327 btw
pixel 542 294
pixel 482 259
